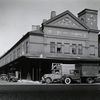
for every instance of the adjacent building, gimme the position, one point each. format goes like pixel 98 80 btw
pixel 64 38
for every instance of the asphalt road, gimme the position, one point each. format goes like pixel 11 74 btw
pixel 11 86
pixel 29 91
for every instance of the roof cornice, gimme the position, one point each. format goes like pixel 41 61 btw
pixel 88 11
pixel 93 30
pixel 66 27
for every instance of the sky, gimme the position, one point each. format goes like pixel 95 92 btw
pixel 18 16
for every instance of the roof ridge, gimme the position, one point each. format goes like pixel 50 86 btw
pixel 62 14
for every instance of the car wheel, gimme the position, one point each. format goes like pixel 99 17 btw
pixel 89 80
pixel 48 80
pixel 67 80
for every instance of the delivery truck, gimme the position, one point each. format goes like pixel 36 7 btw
pixel 69 73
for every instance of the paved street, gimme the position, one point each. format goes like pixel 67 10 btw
pixel 29 91
pixel 5 86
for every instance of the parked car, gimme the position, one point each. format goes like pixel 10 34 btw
pixel 12 77
pixel 69 73
pixel 4 77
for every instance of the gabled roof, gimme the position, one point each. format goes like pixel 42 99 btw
pixel 62 14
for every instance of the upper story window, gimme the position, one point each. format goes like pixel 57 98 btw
pixel 59 47
pixel 26 46
pixel 80 49
pixel 82 19
pixel 10 57
pixel 18 52
pixel 52 47
pixel 14 55
pixel 23 49
pixel 5 61
pixel 74 49
pixel 66 48
pixel 92 49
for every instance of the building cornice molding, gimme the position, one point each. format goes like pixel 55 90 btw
pixel 88 30
pixel 90 11
pixel 70 28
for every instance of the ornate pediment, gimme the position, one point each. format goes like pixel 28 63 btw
pixel 66 22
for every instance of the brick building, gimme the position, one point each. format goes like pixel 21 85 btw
pixel 64 38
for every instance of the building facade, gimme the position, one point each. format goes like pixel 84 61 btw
pixel 64 38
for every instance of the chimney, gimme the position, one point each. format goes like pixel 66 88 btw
pixel 35 27
pixel 53 14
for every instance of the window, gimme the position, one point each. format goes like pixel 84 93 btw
pixel 10 57
pixel 52 47
pixel 80 49
pixel 59 47
pixel 57 71
pixel 18 52
pixel 92 50
pixel 5 60
pixel 66 48
pixel 14 55
pixel 74 49
pixel 82 19
pixel 23 49
pixel 27 47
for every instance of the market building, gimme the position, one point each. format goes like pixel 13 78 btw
pixel 63 38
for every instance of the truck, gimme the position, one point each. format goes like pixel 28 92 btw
pixel 68 73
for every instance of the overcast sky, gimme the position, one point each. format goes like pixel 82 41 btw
pixel 17 16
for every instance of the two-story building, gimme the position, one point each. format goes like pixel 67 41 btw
pixel 64 38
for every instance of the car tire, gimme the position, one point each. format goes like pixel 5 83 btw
pixel 89 80
pixel 67 80
pixel 48 80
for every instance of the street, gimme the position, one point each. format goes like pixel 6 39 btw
pixel 29 91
